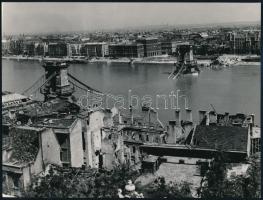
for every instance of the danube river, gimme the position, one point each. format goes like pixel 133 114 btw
pixel 232 90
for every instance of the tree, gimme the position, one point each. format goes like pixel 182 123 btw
pixel 78 183
pixel 214 179
pixel 160 189
pixel 248 185
pixel 216 184
pixel 254 177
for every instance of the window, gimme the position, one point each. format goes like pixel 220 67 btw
pixel 147 138
pixel 133 136
pixel 140 137
pixel 133 159
pixel 16 181
pixel 255 145
pixel 64 147
pixel 195 141
pixel 83 141
pixel 100 161
pixel 133 149
pixel 181 161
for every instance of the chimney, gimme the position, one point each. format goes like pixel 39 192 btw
pixel 178 117
pixel 226 117
pixel 253 119
pixel 189 115
pixel 251 123
pixel 212 118
pixel 131 114
pixel 207 119
pixel 171 132
pixel 201 115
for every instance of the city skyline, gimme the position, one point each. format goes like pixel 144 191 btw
pixel 63 17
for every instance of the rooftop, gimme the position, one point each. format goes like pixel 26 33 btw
pixel 143 129
pixel 227 138
pixel 54 106
pixel 55 123
pixel 12 97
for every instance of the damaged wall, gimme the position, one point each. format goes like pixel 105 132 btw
pixel 76 149
pixel 50 147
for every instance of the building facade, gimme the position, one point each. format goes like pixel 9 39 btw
pixel 29 48
pixel 74 49
pixel 168 47
pixel 57 142
pixel 245 42
pixel 96 49
pixel 130 50
pixel 151 46
pixel 5 46
pixel 16 46
pixel 57 49
pixel 39 49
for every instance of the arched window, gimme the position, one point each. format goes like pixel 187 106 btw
pixel 147 137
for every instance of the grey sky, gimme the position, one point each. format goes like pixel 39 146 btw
pixel 46 17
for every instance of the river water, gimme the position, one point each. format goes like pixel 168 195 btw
pixel 232 90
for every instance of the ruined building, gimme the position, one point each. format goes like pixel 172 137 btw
pixel 57 131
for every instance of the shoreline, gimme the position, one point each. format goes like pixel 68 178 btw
pixel 153 60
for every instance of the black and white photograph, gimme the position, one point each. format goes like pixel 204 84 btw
pixel 131 100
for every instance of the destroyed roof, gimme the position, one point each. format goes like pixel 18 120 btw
pixel 55 123
pixel 31 129
pixel 50 107
pixel 16 164
pixel 226 138
pixel 12 97
pixel 84 113
pixel 24 142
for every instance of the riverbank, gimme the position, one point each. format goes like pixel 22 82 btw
pixel 234 60
pixel 151 60
pixel 226 59
pixel 36 58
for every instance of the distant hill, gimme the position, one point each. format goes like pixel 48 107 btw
pixel 225 24
pixel 181 26
pixel 158 27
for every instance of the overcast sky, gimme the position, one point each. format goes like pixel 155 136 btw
pixel 51 17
